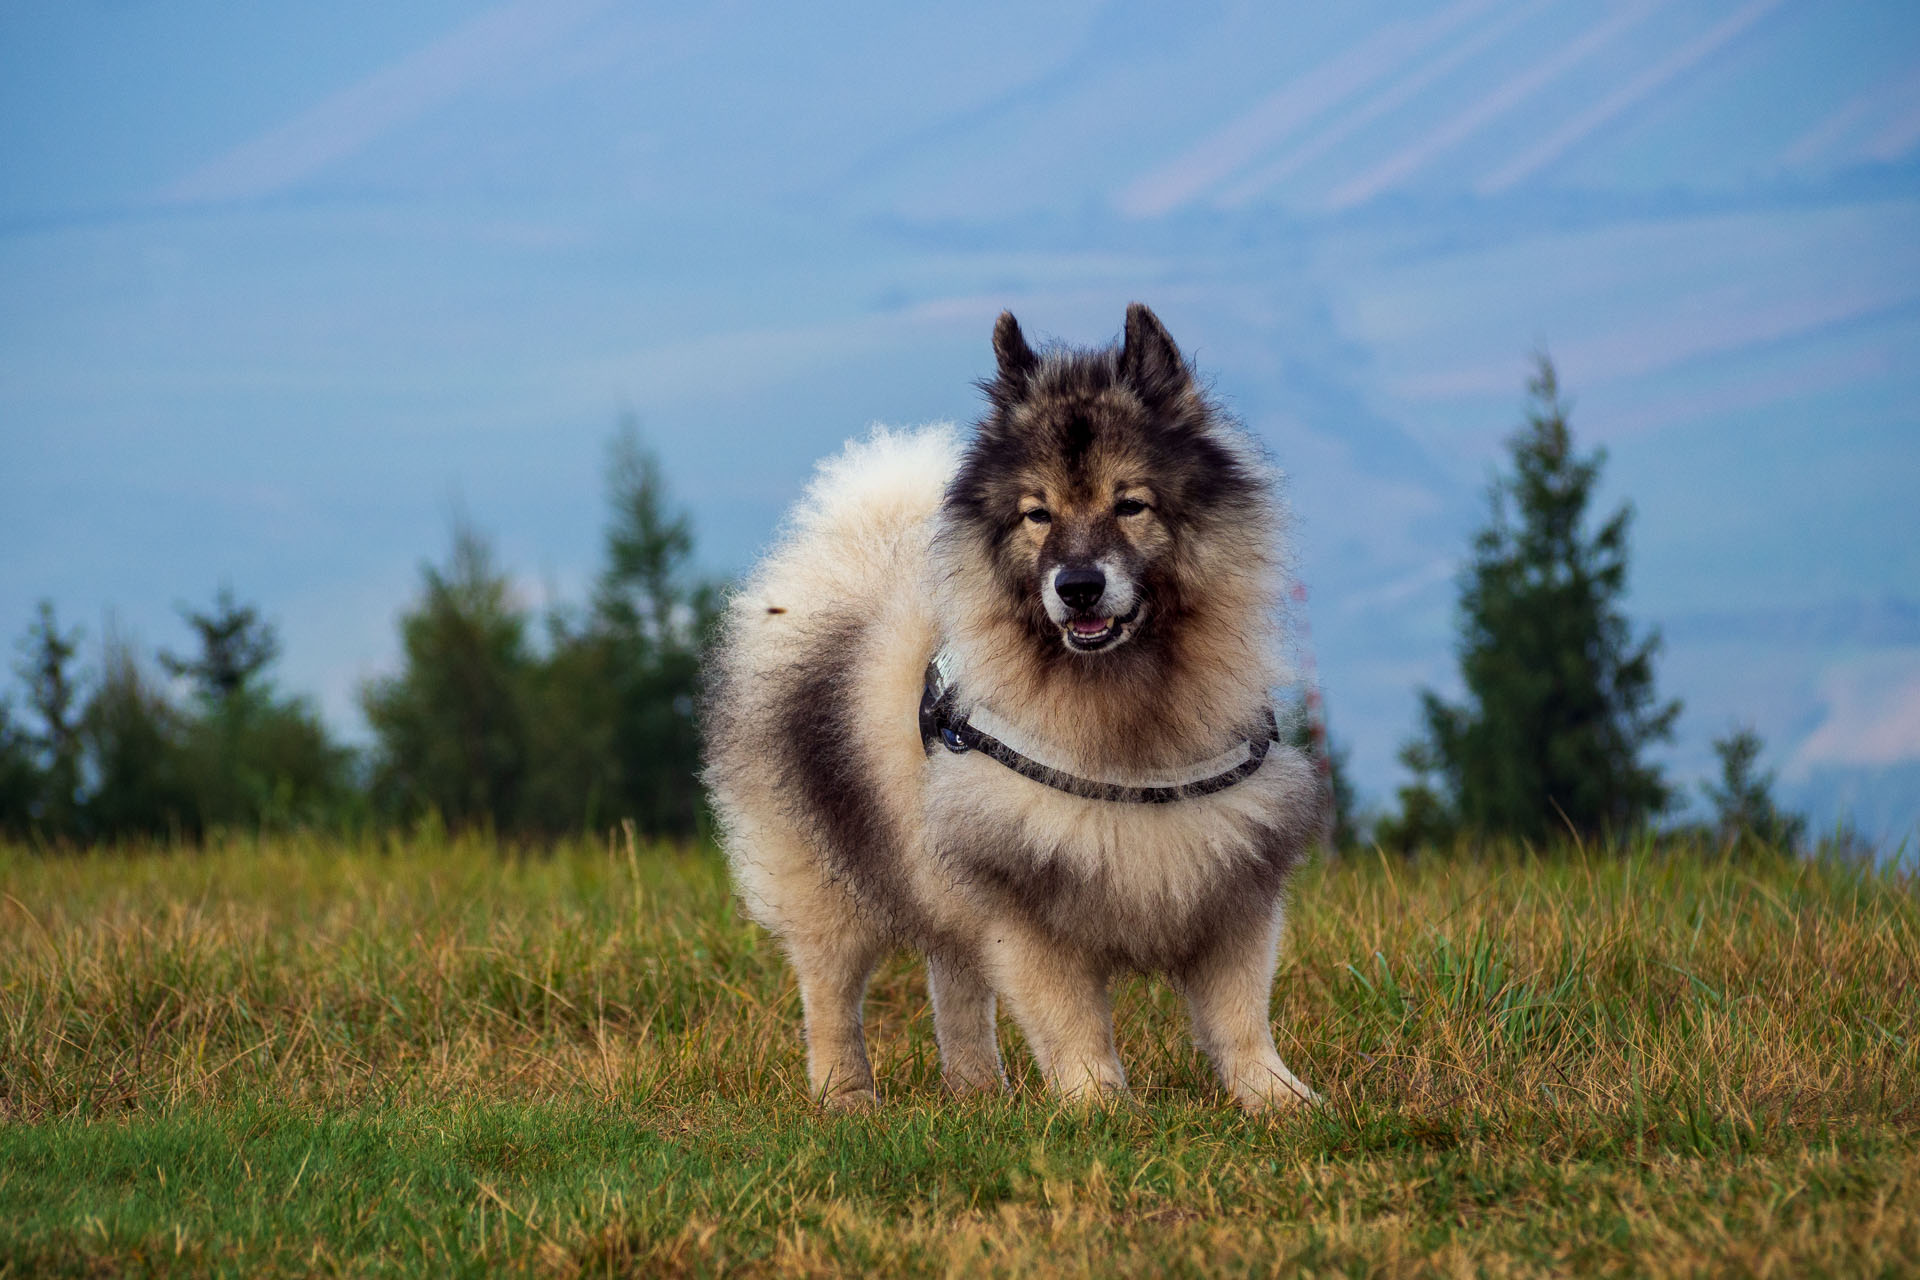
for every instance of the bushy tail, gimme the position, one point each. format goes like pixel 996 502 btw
pixel 877 487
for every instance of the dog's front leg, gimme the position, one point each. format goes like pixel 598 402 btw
pixel 833 972
pixel 963 1026
pixel 1060 1000
pixel 1229 987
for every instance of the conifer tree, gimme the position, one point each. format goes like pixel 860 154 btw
pixel 250 756
pixel 131 735
pixel 1560 704
pixel 20 780
pixel 1424 818
pixel 46 666
pixel 235 645
pixel 1744 812
pixel 1330 758
pixel 617 737
pixel 1348 822
pixel 452 725
pixel 645 592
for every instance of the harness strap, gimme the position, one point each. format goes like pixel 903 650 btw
pixel 941 722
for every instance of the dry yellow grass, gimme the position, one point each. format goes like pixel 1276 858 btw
pixel 310 1056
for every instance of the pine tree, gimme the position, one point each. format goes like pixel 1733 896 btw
pixel 235 645
pixel 1424 820
pixel 1560 701
pixel 131 735
pixel 483 726
pixel 644 592
pixel 1347 819
pixel 1743 806
pixel 53 694
pixel 252 758
pixel 20 780
pixel 452 725
pixel 1330 759
pixel 657 614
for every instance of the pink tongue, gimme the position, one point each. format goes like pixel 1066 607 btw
pixel 1090 628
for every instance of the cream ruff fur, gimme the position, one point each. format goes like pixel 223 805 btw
pixel 847 840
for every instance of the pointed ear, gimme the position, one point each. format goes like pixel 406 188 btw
pixel 1010 347
pixel 1148 358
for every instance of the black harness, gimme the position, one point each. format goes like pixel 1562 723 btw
pixel 941 722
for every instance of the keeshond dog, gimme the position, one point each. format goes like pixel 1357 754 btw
pixel 1006 700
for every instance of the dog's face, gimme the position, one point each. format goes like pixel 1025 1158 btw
pixel 1089 482
pixel 1089 541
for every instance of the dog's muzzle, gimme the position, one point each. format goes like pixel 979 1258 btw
pixel 1093 605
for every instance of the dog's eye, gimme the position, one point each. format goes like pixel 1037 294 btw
pixel 1129 507
pixel 1038 515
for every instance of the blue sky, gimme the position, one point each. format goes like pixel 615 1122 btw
pixel 284 288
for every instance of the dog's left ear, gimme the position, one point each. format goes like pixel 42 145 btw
pixel 1148 359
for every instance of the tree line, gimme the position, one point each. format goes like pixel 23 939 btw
pixel 530 726
pixel 585 716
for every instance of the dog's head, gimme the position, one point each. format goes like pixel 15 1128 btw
pixel 1092 482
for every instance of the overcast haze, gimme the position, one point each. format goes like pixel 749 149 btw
pixel 282 288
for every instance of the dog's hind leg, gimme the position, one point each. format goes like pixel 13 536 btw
pixel 1228 988
pixel 964 1027
pixel 833 972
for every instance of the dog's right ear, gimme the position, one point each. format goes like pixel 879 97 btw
pixel 1017 361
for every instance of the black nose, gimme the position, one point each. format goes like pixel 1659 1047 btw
pixel 1080 588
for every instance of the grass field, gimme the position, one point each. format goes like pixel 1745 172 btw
pixel 441 1058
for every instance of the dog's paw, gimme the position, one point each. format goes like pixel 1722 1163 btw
pixel 975 1086
pixel 1094 1092
pixel 1273 1090
pixel 1276 1102
pixel 850 1100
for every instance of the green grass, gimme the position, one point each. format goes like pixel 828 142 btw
pixel 442 1058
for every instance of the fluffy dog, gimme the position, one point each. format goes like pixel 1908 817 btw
pixel 1006 701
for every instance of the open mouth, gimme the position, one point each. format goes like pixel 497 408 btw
pixel 1088 634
